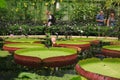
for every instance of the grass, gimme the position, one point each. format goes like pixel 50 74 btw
pixel 45 52
pixel 112 47
pixel 109 67
pixel 30 40
pixel 25 45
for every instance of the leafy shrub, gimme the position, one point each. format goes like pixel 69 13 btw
pixel 67 30
pixel 1 42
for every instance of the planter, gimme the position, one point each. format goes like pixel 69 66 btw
pixel 111 51
pixel 48 57
pixel 13 47
pixel 95 69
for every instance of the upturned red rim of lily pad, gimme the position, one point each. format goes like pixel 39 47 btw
pixel 13 47
pixel 82 46
pixel 111 51
pixel 91 75
pixel 48 57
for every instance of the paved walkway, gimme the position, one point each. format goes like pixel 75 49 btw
pixel 61 36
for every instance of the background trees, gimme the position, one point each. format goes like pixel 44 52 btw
pixel 67 12
pixel 27 11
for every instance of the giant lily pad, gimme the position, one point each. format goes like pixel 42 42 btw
pixel 111 41
pixel 96 69
pixel 21 40
pixel 50 57
pixel 13 47
pixel 115 42
pixel 80 44
pixel 111 50
pixel 91 40
pixel 4 54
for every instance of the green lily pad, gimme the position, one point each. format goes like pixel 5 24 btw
pixel 4 53
pixel 71 42
pixel 29 40
pixel 43 53
pixel 24 45
pixel 112 47
pixel 108 67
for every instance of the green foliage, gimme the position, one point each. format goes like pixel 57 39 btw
pixel 3 4
pixel 33 11
pixel 48 41
pixel 118 33
pixel 84 12
pixel 25 30
pixel 33 76
pixel 1 43
pixel 88 30
pixel 25 75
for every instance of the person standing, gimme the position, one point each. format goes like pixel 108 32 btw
pixel 100 21
pixel 100 18
pixel 111 20
pixel 51 19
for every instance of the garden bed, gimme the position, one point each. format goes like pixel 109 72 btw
pixel 96 69
pixel 112 50
pixel 50 57
pixel 13 47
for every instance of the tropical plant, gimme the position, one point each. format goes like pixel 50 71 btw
pixel 84 12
